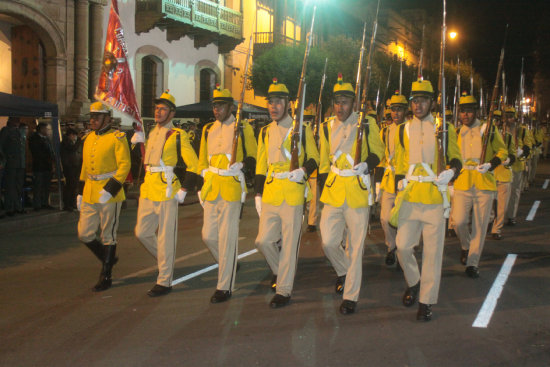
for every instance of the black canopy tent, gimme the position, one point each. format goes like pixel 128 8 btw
pixel 203 110
pixel 15 106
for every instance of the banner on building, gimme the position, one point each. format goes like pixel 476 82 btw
pixel 115 87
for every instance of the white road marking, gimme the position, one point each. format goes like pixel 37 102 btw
pixel 153 268
pixel 208 268
pixel 533 210
pixel 545 184
pixel 488 307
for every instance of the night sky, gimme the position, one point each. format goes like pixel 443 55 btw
pixel 481 24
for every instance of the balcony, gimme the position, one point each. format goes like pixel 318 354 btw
pixel 264 41
pixel 202 20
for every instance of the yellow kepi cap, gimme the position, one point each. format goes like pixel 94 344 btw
pixel 343 89
pixel 99 107
pixel 497 113
pixel 167 99
pixel 398 100
pixel 221 95
pixel 422 88
pixel 277 89
pixel 467 100
pixel 509 109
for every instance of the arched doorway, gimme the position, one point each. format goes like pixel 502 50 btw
pixel 207 84
pixel 151 83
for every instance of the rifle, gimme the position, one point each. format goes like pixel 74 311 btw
pixel 457 94
pixel 238 116
pixel 471 78
pixel 299 112
pixel 319 111
pixel 401 76
pixel 493 101
pixel 359 67
pixel 421 58
pixel 441 136
pixel 363 108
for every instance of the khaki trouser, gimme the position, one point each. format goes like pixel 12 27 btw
pixel 103 216
pixel 313 205
pixel 387 202
pixel 417 219
pixel 503 197
pixel 220 233
pixel 283 222
pixel 515 193
pixel 161 216
pixel 348 261
pixel 480 201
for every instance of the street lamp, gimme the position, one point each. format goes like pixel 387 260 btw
pixel 452 35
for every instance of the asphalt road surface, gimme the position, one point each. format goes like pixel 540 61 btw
pixel 50 317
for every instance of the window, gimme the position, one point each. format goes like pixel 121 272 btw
pixel 207 84
pixel 151 84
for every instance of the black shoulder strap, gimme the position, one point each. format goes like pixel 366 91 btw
pixel 401 134
pixel 208 127
pixel 325 129
pixel 241 133
pixel 181 167
pixel 367 130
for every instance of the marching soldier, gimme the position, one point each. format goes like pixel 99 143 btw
pixel 224 189
pixel 503 176
pixel 280 193
pixel 523 145
pixel 420 204
pixel 105 166
pixel 398 106
pixel 538 139
pixel 346 191
pixel 167 153
pixel 475 186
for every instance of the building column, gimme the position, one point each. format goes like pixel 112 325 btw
pixel 82 60
pixel 96 47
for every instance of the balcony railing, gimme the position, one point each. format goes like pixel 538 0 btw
pixel 270 37
pixel 202 14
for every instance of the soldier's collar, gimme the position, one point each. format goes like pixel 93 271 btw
pixel 285 122
pixel 103 130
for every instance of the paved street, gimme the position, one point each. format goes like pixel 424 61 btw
pixel 51 318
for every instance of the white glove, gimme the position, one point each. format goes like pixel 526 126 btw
pixel 105 196
pixel 180 196
pixel 258 202
pixel 506 162
pixel 519 152
pixel 297 175
pixel 236 168
pixel 444 177
pixel 483 168
pixel 138 137
pixel 360 168
pixel 200 199
pixel 402 184
pixel 78 202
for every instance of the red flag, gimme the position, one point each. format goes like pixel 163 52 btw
pixel 115 87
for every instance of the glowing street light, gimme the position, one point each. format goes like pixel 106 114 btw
pixel 452 35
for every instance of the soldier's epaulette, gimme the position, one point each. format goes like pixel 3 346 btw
pixel 120 134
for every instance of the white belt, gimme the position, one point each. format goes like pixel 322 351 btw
pixel 343 172
pixel 168 173
pixel 102 176
pixel 421 178
pixel 471 168
pixel 280 175
pixel 227 173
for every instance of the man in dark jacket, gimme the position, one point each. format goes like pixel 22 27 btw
pixel 13 146
pixel 71 159
pixel 42 158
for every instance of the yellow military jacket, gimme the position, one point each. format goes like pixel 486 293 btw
pixel 388 180
pixel 471 177
pixel 351 190
pixel 154 183
pixel 523 138
pixel 277 190
pixel 504 173
pixel 229 187
pixel 104 153
pixel 423 192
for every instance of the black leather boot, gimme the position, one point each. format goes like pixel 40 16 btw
pixel 105 280
pixel 97 249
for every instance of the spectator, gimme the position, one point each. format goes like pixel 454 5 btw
pixel 42 159
pixel 71 159
pixel 13 146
